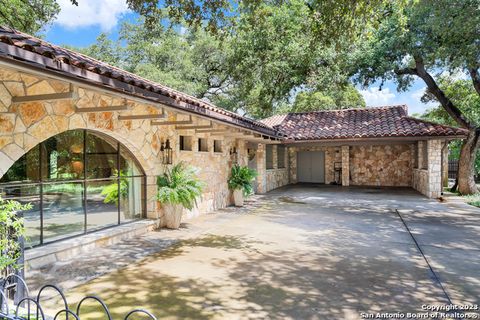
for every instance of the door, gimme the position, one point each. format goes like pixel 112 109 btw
pixel 311 166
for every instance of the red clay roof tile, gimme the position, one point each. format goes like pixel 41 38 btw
pixel 379 122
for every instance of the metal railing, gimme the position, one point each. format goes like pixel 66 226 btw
pixel 452 169
pixel 15 299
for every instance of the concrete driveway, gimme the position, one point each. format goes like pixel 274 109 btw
pixel 305 252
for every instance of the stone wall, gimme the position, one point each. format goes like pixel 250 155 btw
pixel 24 125
pixel 427 178
pixel 381 165
pixel 276 177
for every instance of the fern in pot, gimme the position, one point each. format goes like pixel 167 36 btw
pixel 178 189
pixel 241 182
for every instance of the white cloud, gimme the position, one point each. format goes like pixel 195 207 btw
pixel 103 13
pixel 418 94
pixel 375 97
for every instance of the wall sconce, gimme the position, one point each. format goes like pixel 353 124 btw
pixel 166 151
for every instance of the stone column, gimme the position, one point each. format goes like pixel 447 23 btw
pixel 434 170
pixel 292 164
pixel 242 155
pixel 261 169
pixel 345 166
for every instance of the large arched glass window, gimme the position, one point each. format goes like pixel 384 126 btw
pixel 77 182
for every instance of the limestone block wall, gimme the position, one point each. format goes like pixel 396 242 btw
pixel 24 125
pixel 381 165
pixel 277 177
pixel 345 166
pixel 427 179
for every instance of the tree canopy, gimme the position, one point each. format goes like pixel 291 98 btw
pixel 29 16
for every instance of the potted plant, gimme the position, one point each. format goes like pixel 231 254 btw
pixel 241 182
pixel 178 189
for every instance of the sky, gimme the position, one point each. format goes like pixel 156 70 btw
pixel 80 26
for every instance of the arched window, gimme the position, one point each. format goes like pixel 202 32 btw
pixel 77 182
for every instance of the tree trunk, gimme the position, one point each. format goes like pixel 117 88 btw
pixel 466 163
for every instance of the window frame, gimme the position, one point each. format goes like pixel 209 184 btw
pixel 183 146
pixel 44 182
pixel 219 144
pixel 202 145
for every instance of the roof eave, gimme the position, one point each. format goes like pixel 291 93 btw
pixel 373 139
pixel 22 58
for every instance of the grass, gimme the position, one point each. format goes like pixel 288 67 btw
pixel 473 199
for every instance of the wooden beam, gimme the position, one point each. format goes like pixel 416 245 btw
pixel 170 123
pixel 102 109
pixel 142 116
pixel 45 97
pixel 210 130
pixel 209 126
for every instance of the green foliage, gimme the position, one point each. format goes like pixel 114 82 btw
pixel 258 70
pixel 28 16
pixel 444 34
pixel 110 192
pixel 242 177
pixel 462 93
pixel 473 199
pixel 11 228
pixel 343 98
pixel 332 18
pixel 179 185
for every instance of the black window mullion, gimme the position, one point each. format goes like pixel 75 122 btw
pixel 85 220
pixel 41 191
pixel 118 180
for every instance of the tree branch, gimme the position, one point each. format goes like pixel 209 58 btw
pixel 475 78
pixel 434 89
pixel 406 71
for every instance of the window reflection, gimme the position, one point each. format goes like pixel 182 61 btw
pixel 62 156
pixel 25 169
pixel 102 204
pixel 26 194
pixel 63 211
pixel 101 157
pixel 78 181
pixel 132 198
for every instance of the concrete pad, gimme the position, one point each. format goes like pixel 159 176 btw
pixel 300 252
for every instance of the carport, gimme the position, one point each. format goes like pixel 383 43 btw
pixel 381 147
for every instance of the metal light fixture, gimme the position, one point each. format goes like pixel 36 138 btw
pixel 166 151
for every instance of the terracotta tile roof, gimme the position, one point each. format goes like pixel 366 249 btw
pixel 378 122
pixel 274 120
pixel 60 59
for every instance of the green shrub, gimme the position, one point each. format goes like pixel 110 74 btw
pixel 242 177
pixel 110 192
pixel 179 185
pixel 11 229
pixel 473 199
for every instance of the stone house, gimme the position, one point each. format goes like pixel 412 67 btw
pixel 74 129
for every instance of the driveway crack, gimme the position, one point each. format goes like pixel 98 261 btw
pixel 436 277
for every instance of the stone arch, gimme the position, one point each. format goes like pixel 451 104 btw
pixel 19 143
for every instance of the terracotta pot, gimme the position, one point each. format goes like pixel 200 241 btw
pixel 173 215
pixel 238 197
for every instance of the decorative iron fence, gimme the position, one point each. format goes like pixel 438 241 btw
pixel 452 169
pixel 17 304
